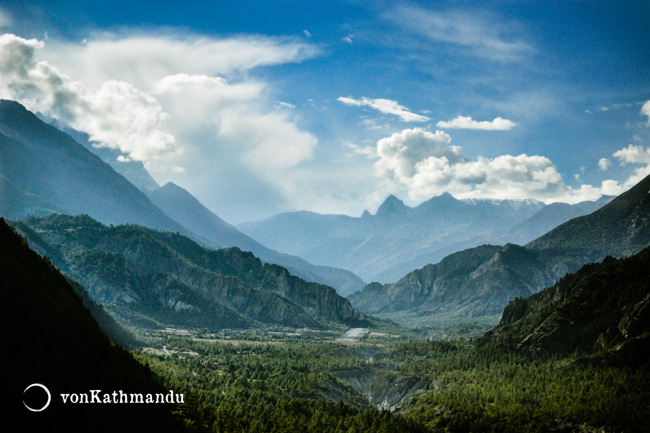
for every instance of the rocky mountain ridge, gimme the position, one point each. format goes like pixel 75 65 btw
pixel 603 306
pixel 160 278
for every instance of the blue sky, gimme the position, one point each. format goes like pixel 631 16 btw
pixel 263 107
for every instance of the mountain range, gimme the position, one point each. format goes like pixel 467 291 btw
pixel 481 281
pixel 151 278
pixel 169 277
pixel 397 239
pixel 44 170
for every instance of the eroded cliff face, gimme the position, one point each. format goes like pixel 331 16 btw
pixel 602 306
pixel 375 383
pixel 381 387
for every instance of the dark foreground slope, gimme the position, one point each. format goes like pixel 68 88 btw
pixel 159 278
pixel 481 281
pixel 49 337
pixel 602 306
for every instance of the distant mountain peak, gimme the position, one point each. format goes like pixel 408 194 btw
pixel 606 199
pixel 391 206
pixel 9 104
pixel 172 187
pixel 442 201
pixel 445 197
pixel 179 194
pixel 15 113
pixel 43 161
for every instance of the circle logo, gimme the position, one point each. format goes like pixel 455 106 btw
pixel 47 391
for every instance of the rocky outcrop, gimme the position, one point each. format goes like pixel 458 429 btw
pixel 602 306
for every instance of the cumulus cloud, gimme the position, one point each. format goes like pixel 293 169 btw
pixel 461 122
pixel 633 155
pixel 637 155
pixel 144 96
pixel 116 115
pixel 484 35
pixel 426 164
pixel 386 106
pixel 612 187
pixel 266 140
pixel 645 110
pixel 604 164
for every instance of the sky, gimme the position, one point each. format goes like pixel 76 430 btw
pixel 258 108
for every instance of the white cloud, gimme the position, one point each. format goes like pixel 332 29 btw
pixel 281 105
pixel 629 155
pixel 116 115
pixel 611 187
pixel 128 119
pixel 369 152
pixel 484 35
pixel 5 19
pixel 461 122
pixel 633 155
pixel 425 164
pixel 645 110
pixel 306 33
pixel 193 92
pixel 400 153
pixel 208 132
pixel 276 142
pixel 142 59
pixel 268 140
pixel 385 106
pixel 604 164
